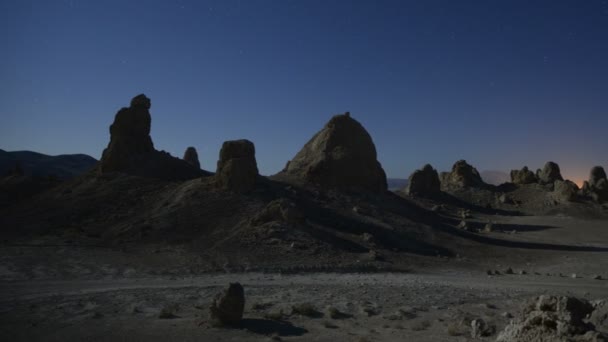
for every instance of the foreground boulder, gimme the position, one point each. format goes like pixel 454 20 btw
pixel 523 176
pixel 597 186
pixel 237 168
pixel 551 318
pixel 462 175
pixel 129 136
pixel 549 173
pixel 341 155
pixel 423 182
pixel 228 306
pixel 191 157
pixel 131 149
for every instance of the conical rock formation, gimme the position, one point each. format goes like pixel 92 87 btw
pixel 341 155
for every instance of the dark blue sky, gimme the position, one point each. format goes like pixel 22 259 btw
pixel 499 83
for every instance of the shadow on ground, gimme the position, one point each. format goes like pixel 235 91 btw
pixel 269 327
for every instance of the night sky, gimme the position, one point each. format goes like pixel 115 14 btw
pixel 501 84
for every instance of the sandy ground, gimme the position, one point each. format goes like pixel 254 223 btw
pixel 65 293
pixel 376 307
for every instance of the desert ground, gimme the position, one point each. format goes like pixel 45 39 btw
pixel 435 302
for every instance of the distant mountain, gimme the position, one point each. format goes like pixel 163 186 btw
pixel 495 177
pixel 64 166
pixel 396 183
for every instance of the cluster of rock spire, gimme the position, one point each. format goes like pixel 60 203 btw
pixel 341 155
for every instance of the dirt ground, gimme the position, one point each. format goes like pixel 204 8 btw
pixel 431 303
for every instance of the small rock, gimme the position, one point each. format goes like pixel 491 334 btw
pixel 509 271
pixel 488 228
pixel 573 276
pixel 597 277
pixel 506 315
pixel 523 272
pixel 462 225
pixel 479 328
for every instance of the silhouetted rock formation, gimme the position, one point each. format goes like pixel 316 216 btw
pixel 565 191
pixel 424 182
pixel 523 176
pixel 549 174
pixel 462 175
pixel 131 149
pixel 191 157
pixel 341 155
pixel 597 186
pixel 237 168
pixel 129 136
pixel 228 306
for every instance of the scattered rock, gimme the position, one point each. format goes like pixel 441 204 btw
pixel 368 238
pixel 479 328
pixel 237 168
pixel 549 173
pixel 550 318
pixel 463 225
pixel 191 157
pixel 305 309
pixel 488 228
pixel 462 175
pixel 168 312
pixel 597 277
pixel 334 313
pixel 341 155
pixel 507 315
pixel 227 307
pixel 465 214
pixel 509 271
pixel 573 276
pixel 523 176
pixel 424 182
pixel 279 210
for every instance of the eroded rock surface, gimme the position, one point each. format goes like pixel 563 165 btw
pixel 237 168
pixel 523 176
pixel 341 155
pixel 462 175
pixel 424 182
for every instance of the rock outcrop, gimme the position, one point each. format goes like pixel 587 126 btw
pixel 342 155
pixel 237 168
pixel 550 318
pixel 462 175
pixel 129 136
pixel 228 306
pixel 424 182
pixel 191 157
pixel 131 149
pixel 279 210
pixel 523 176
pixel 597 185
pixel 549 173
pixel 565 191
